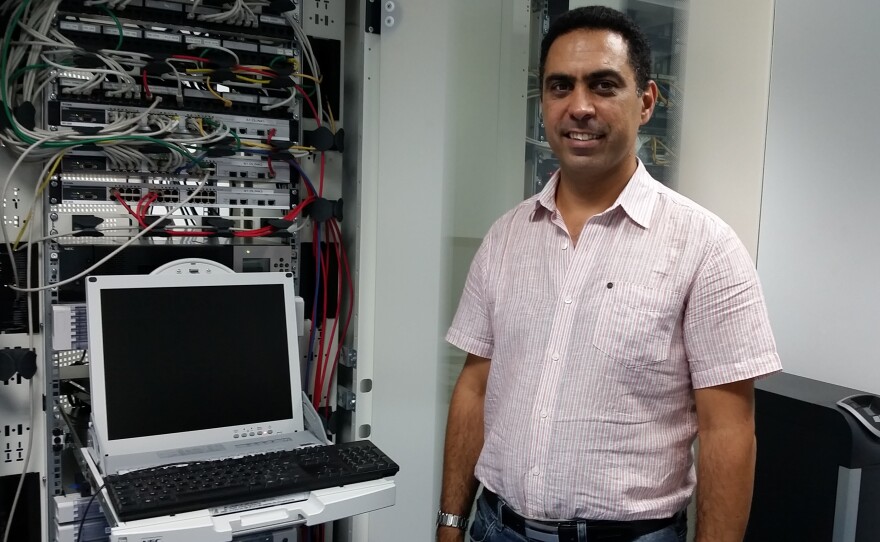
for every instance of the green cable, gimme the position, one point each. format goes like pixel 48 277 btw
pixel 4 55
pixel 210 122
pixel 18 72
pixel 118 25
pixel 276 59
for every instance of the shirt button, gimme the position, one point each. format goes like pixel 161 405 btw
pixel 536 472
pixel 568 301
pixel 555 357
pixel 543 413
pixel 565 245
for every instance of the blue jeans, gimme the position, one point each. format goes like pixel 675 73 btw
pixel 487 527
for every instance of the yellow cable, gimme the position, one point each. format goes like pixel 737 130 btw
pixel 256 144
pixel 301 148
pixel 305 76
pixel 43 185
pixel 226 103
pixel 200 127
pixel 332 120
pixel 199 70
pixel 250 80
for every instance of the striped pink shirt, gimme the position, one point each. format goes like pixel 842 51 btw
pixel 595 349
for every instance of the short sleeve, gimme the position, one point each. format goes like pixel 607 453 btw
pixel 727 332
pixel 471 329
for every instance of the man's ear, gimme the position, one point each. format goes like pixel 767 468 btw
pixel 649 100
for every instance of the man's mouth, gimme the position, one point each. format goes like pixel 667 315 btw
pixel 581 136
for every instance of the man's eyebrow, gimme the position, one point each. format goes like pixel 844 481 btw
pixel 557 77
pixel 605 74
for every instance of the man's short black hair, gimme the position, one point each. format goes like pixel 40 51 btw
pixel 603 18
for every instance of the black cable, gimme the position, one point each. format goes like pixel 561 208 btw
pixel 82 520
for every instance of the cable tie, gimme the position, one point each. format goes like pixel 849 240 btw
pixel 321 210
pixel 219 152
pixel 26 115
pixel 321 138
pixel 282 6
pixel 87 130
pixel 222 75
pixel 221 225
pixel 157 68
pixel 88 61
pixel 159 230
pixel 85 225
pixel 282 81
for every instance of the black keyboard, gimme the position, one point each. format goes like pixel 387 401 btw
pixel 168 490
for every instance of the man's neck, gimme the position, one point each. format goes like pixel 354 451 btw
pixel 580 195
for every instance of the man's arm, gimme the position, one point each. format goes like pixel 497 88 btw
pixel 464 441
pixel 726 464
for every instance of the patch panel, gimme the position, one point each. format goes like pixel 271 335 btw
pixel 267 23
pixel 213 196
pixel 97 115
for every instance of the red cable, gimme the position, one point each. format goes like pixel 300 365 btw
pixel 266 230
pixel 344 260
pixel 316 390
pixel 326 362
pixel 193 58
pixel 338 279
pixel 146 85
pixel 321 180
pixel 255 70
pixel 269 158
pixel 308 101
pixel 118 197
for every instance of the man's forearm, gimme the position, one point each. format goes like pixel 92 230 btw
pixel 725 479
pixel 464 441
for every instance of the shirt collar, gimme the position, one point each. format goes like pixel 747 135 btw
pixel 637 198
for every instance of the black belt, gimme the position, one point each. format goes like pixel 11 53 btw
pixel 567 531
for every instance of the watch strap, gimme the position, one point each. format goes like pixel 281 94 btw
pixel 445 519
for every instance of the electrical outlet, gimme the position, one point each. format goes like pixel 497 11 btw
pixel 14 440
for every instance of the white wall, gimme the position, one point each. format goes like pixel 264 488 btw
pixel 819 253
pixel 727 79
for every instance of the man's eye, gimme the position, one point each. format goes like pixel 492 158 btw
pixel 559 86
pixel 605 86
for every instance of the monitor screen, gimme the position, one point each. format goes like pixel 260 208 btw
pixel 190 358
pixel 180 360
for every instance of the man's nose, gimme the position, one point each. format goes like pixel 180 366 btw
pixel 581 104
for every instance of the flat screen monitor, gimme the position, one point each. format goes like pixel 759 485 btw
pixel 179 360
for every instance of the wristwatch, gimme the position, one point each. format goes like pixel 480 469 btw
pixel 451 520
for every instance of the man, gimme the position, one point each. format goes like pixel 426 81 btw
pixel 607 321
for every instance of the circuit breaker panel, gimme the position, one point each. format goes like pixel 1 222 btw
pixel 138 133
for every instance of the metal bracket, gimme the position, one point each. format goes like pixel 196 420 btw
pixel 373 17
pixel 346 399
pixel 349 357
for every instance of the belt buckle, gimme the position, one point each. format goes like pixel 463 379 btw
pixel 539 532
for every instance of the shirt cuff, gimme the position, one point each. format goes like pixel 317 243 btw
pixel 743 370
pixel 469 344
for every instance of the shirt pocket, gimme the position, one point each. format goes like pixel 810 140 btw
pixel 635 324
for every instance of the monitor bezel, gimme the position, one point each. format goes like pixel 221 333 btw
pixel 95 285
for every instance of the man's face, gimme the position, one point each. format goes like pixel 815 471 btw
pixel 591 104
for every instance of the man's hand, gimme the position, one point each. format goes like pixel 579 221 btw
pixel 449 534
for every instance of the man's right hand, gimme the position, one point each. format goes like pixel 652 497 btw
pixel 449 534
